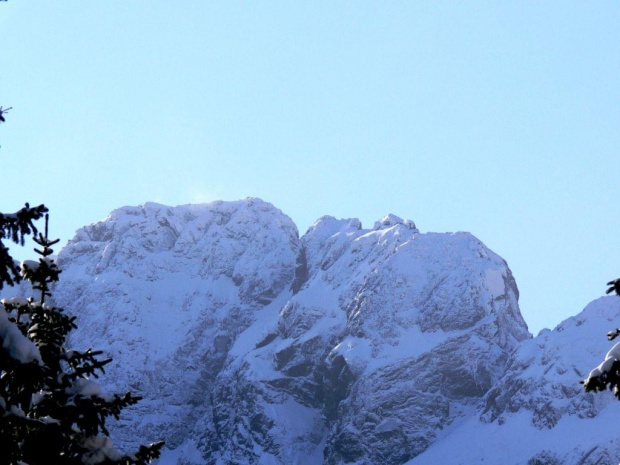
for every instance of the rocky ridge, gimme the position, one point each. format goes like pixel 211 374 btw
pixel 347 345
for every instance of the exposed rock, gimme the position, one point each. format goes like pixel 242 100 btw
pixel 252 345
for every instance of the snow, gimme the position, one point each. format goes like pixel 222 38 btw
pixel 29 265
pixel 614 353
pixel 87 388
pixel 15 343
pixel 38 397
pixel 49 420
pixel 390 220
pixel 100 448
pixel 17 301
pixel 412 343
pixel 16 411
pixel 515 441
pixel 187 451
pixel 389 424
pixel 495 282
pixel 612 356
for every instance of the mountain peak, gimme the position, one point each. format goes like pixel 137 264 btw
pixel 390 220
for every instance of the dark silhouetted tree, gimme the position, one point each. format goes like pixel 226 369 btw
pixel 607 374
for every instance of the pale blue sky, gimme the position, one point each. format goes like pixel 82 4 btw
pixel 498 118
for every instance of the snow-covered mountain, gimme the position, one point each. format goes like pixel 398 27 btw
pixel 250 344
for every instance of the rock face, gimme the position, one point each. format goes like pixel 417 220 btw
pixel 537 413
pixel 347 345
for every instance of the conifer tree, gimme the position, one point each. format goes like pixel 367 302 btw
pixel 607 374
pixel 51 410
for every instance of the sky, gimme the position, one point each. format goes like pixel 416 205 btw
pixel 497 118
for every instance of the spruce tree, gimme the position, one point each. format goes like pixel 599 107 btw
pixel 51 410
pixel 607 374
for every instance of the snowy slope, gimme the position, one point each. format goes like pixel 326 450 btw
pixel 538 413
pixel 250 344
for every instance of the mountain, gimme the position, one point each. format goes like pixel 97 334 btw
pixel 250 344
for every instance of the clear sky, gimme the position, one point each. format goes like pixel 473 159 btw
pixel 500 118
